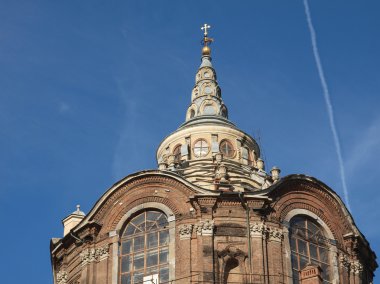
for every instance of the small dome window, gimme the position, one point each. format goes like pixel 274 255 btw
pixel 227 149
pixel 201 148
pixel 192 113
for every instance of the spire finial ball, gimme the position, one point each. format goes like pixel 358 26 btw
pixel 206 50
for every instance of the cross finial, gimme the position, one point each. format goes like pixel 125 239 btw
pixel 204 28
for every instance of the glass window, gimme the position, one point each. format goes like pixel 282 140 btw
pixel 145 248
pixel 308 245
pixel 246 156
pixel 227 149
pixel 200 148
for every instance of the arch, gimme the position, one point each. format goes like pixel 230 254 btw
pixel 124 221
pixel 208 107
pixel 330 243
pixel 191 112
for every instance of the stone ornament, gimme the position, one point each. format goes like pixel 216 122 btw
pixel 344 261
pixel 356 267
pixel 275 234
pixel 205 228
pixel 94 254
pixel 185 231
pixel 258 229
pixel 62 277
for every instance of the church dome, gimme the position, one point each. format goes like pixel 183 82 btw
pixel 208 149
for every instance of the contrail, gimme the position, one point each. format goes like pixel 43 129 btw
pixel 329 107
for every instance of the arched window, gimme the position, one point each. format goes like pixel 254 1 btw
pixel 308 245
pixel 144 252
pixel 246 156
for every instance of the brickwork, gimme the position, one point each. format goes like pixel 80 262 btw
pixel 211 239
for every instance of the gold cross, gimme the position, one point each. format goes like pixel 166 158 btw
pixel 205 27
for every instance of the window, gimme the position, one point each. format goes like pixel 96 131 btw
pixel 200 148
pixel 144 251
pixel 246 156
pixel 177 153
pixel 308 245
pixel 227 149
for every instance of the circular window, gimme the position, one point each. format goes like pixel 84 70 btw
pixel 177 153
pixel 200 148
pixel 207 75
pixel 227 149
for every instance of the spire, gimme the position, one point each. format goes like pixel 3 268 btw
pixel 206 97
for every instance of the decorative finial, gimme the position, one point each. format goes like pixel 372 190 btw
pixel 206 51
pixel 204 28
pixel 78 208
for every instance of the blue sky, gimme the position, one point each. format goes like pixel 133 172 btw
pixel 88 89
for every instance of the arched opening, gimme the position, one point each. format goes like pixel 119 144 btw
pixel 144 251
pixel 309 245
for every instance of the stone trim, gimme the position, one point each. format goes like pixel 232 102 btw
pixel 205 228
pixel 275 234
pixel 258 230
pixel 62 277
pixel 185 231
pixel 94 254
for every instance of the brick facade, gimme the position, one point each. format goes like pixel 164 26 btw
pixel 218 237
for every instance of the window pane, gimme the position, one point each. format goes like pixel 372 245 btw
pixel 129 230
pixel 138 243
pixel 126 279
pixel 295 261
pixel 125 264
pixel 325 271
pixel 313 251
pixel 323 254
pixel 138 220
pixel 152 240
pixel 152 258
pixel 164 274
pixel 164 255
pixel 151 226
pixel 302 247
pixel 138 277
pixel 164 238
pixel 138 261
pixel 162 221
pixel 126 247
pixel 293 244
pixel 152 215
pixel 303 261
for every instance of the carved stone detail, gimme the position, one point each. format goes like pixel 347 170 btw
pixel 205 228
pixel 344 261
pixel 198 229
pixel 356 267
pixel 94 254
pixel 62 277
pixel 258 229
pixel 275 234
pixel 185 231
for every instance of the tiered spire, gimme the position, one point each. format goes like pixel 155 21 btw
pixel 206 95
